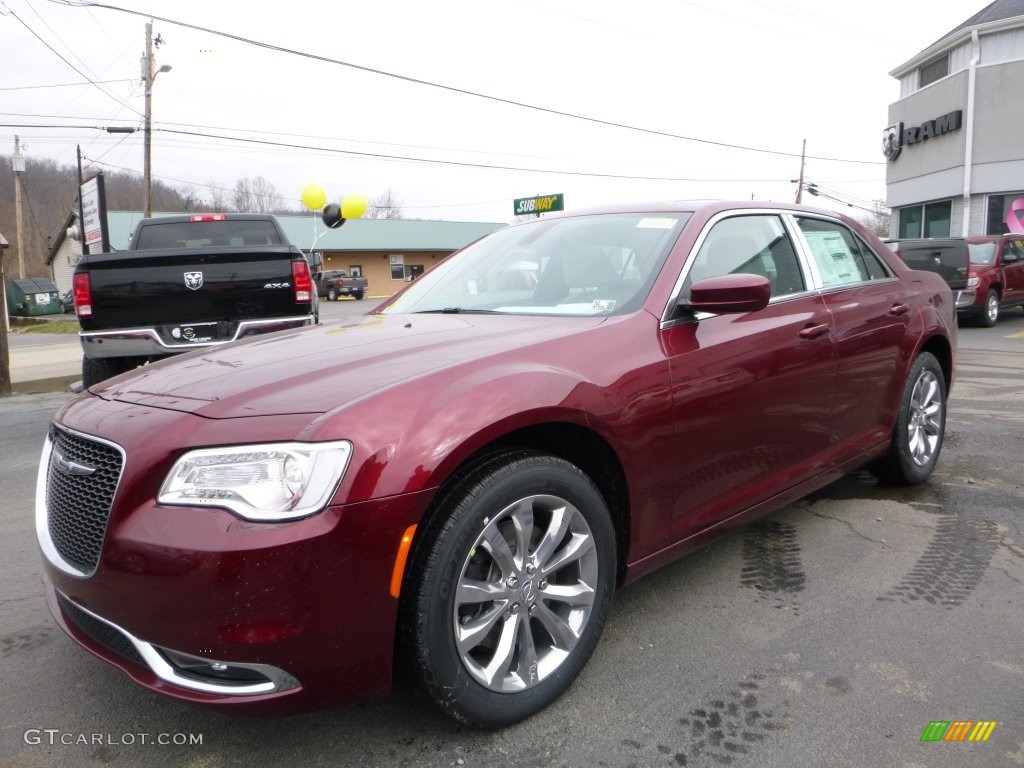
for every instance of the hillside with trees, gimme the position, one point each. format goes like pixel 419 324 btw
pixel 49 193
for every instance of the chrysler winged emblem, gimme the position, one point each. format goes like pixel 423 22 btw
pixel 194 280
pixel 69 467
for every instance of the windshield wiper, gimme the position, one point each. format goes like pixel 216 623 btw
pixel 457 311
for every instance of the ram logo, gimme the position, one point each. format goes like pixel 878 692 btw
pixel 194 280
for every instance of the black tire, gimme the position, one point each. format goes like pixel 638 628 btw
pixel 358 295
pixel 988 316
pixel 332 295
pixel 920 426
pixel 467 576
pixel 95 370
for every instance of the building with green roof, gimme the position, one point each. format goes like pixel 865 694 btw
pixel 388 252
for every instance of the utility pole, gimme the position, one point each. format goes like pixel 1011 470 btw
pixel 5 353
pixel 147 75
pixel 800 181
pixel 19 168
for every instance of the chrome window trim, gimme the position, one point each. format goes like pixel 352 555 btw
pixel 46 544
pixel 277 679
pixel 667 321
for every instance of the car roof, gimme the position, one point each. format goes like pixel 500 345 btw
pixel 709 207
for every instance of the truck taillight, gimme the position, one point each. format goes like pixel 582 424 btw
pixel 209 217
pixel 302 281
pixel 81 292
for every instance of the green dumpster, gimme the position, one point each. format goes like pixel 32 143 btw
pixel 33 296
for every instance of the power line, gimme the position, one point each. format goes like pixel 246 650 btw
pixel 464 164
pixel 462 91
pixel 61 85
pixel 411 159
pixel 61 57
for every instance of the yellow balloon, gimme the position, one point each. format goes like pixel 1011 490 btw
pixel 314 196
pixel 353 206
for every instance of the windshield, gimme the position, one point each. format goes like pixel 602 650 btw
pixel 585 265
pixel 982 253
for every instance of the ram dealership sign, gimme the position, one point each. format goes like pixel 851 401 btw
pixel 896 136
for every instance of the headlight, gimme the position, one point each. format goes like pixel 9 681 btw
pixel 973 282
pixel 271 483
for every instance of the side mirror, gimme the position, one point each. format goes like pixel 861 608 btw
pixel 729 294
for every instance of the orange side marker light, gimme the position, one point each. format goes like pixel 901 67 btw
pixel 400 557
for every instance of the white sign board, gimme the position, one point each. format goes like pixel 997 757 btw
pixel 92 227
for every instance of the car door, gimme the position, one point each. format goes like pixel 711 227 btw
pixel 870 317
pixel 1013 270
pixel 751 392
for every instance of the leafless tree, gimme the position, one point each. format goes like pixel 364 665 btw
pixel 878 220
pixel 256 195
pixel 214 199
pixel 386 205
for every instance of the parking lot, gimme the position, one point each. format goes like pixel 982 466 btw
pixel 828 634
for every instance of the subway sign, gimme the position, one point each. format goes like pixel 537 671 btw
pixel 538 205
pixel 895 137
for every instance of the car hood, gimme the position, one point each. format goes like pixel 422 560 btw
pixel 321 368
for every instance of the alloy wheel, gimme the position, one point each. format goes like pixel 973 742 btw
pixel 925 423
pixel 525 593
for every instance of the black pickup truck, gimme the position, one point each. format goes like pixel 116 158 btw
pixel 188 282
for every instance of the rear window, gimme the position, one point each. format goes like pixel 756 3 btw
pixel 982 253
pixel 206 234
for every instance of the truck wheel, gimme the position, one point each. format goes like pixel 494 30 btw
pixel 990 314
pixel 509 589
pixel 332 295
pixel 358 295
pixel 95 370
pixel 920 426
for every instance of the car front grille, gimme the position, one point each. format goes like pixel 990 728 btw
pixel 81 479
pixel 104 634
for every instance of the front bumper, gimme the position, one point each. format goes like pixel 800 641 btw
pixel 146 342
pixel 150 664
pixel 967 301
pixel 199 605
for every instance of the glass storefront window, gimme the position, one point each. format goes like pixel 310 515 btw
pixel 930 220
pixel 936 219
pixel 910 221
pixel 998 205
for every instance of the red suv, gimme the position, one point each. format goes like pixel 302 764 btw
pixel 454 485
pixel 996 277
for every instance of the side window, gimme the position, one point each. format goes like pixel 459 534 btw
pixel 1015 250
pixel 875 266
pixel 841 257
pixel 755 245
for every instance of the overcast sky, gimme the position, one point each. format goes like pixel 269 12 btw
pixel 763 74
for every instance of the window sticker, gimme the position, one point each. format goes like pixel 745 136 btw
pixel 835 261
pixel 651 222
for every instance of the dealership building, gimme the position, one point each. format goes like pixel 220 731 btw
pixel 955 141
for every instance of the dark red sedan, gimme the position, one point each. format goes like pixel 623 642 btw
pixel 455 484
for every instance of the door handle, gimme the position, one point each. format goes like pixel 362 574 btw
pixel 814 331
pixel 899 309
